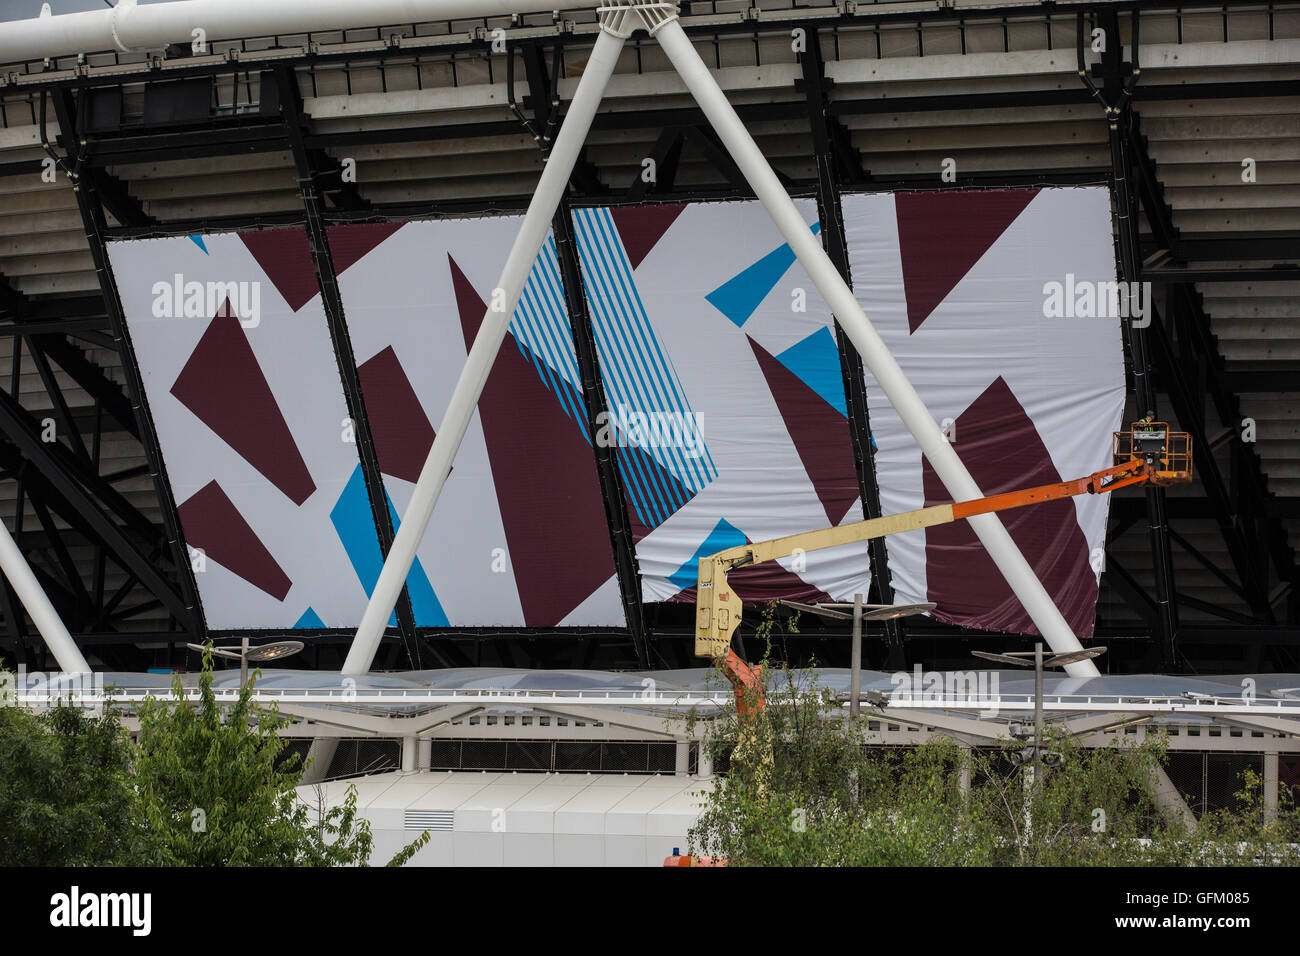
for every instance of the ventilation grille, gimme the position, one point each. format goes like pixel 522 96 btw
pixel 428 820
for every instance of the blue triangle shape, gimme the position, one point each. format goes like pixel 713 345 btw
pixel 309 619
pixel 355 527
pixel 816 362
pixel 425 605
pixel 724 535
pixel 739 296
pixel 198 241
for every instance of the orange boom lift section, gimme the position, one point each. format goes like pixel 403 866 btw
pixel 1147 453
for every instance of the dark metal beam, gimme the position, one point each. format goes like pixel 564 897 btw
pixel 1264 380
pixel 1280 273
pixel 595 404
pixel 186 609
pixel 290 102
pixel 1192 370
pixel 92 379
pixel 666 154
pixel 57 465
pixel 831 216
pixel 1118 80
pixel 1187 508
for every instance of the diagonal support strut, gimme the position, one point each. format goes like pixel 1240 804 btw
pixel 660 19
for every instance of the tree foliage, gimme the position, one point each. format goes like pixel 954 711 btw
pixel 806 789
pixel 217 789
pixel 208 784
pixel 66 794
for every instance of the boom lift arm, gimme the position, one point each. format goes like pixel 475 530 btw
pixel 1146 453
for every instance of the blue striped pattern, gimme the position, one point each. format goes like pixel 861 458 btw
pixel 541 330
pixel 636 372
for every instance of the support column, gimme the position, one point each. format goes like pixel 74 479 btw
pixel 38 605
pixel 319 757
pixel 595 404
pixel 831 215
pixel 682 758
pixel 332 303
pixel 1270 786
pixel 1169 801
pixel 956 479
pixel 704 765
pixel 191 618
pixel 1115 101
pixel 615 29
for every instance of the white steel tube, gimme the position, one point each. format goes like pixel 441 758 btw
pixel 128 27
pixel 532 233
pixel 808 249
pixel 38 605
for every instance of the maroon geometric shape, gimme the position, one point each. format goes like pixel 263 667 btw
pixel 760 583
pixel 635 464
pixel 401 431
pixel 285 256
pixel 211 522
pixel 941 235
pixel 546 489
pixel 640 227
pixel 819 435
pixel 223 385
pixel 349 243
pixel 1000 446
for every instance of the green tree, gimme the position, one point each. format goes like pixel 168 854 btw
pixel 216 788
pixel 806 789
pixel 66 793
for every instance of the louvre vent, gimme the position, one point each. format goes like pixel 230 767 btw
pixel 428 819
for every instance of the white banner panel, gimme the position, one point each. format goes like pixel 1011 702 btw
pixel 963 287
pixel 726 395
pixel 253 426
pixel 519 536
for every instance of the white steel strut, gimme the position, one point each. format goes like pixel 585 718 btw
pixel 38 605
pixel 617 23
pixel 129 27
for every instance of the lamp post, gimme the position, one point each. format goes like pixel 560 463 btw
pixel 1036 660
pixel 859 612
pixel 246 653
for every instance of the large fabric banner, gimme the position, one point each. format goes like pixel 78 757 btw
pixel 724 387
pixel 968 290
pixel 726 395
pixel 519 536
pixel 242 383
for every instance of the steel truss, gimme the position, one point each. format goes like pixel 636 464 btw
pixel 1182 353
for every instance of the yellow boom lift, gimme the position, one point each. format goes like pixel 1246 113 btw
pixel 1146 453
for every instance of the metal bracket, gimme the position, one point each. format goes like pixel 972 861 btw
pixel 624 19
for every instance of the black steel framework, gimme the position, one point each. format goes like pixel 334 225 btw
pixel 290 103
pixel 838 161
pixel 1118 80
pixel 63 483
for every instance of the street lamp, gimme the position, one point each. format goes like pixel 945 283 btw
pixel 859 612
pixel 245 653
pixel 1036 660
